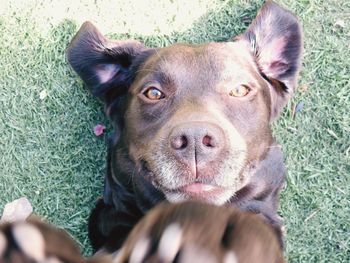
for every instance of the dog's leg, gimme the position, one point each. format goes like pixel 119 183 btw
pixel 199 232
pixel 261 195
pixel 36 241
pixel 114 215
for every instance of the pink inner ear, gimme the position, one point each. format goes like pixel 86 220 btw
pixel 106 72
pixel 271 58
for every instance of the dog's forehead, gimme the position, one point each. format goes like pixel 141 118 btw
pixel 201 63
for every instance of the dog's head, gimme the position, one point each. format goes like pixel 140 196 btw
pixel 193 119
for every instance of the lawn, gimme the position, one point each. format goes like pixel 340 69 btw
pixel 50 154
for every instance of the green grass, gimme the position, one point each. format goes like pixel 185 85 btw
pixel 50 155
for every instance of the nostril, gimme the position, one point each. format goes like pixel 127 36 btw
pixel 179 142
pixel 208 141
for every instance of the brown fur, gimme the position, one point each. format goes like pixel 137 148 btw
pixel 208 234
pixel 57 243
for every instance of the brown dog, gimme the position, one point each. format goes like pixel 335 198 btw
pixel 198 232
pixel 191 121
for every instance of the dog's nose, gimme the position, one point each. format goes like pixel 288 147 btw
pixel 197 141
pixel 181 142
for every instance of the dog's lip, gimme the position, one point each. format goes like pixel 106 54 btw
pixel 200 188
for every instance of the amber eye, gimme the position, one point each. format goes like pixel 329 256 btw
pixel 240 91
pixel 153 93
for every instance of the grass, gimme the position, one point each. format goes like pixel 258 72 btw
pixel 50 155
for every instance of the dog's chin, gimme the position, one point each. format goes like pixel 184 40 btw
pixel 200 192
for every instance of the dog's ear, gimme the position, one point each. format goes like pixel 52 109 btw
pixel 104 65
pixel 276 42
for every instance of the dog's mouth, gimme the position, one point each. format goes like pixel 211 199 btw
pixel 203 192
pixel 185 186
pixel 197 189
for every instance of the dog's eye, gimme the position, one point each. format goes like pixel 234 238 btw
pixel 153 93
pixel 240 91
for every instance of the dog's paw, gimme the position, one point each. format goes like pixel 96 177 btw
pixel 197 232
pixel 35 241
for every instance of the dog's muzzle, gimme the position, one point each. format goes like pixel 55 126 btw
pixel 195 144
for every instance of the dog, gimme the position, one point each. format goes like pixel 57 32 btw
pixel 191 122
pixel 200 232
pixel 185 232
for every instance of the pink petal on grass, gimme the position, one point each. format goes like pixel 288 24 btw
pixel 99 129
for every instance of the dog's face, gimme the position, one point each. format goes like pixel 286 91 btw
pixel 196 116
pixel 194 119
